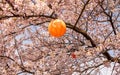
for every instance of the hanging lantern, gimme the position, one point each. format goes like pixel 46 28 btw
pixel 57 28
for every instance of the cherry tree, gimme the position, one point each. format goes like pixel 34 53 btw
pixel 91 42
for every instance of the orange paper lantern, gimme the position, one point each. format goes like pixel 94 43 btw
pixel 57 28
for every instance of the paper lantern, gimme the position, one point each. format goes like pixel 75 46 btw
pixel 57 28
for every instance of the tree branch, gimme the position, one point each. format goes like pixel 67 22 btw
pixel 110 18
pixel 110 58
pixel 10 3
pixel 81 13
pixel 83 32
pixel 22 68
pixel 26 16
pixel 92 67
pixel 7 57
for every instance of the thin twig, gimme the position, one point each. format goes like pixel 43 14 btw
pixel 110 18
pixel 81 13
pixel 113 68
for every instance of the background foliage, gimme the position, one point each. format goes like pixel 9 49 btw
pixel 93 35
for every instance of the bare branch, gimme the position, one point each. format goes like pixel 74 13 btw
pixel 10 3
pixel 91 67
pixel 81 13
pixel 110 18
pixel 26 16
pixel 83 32
pixel 7 57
